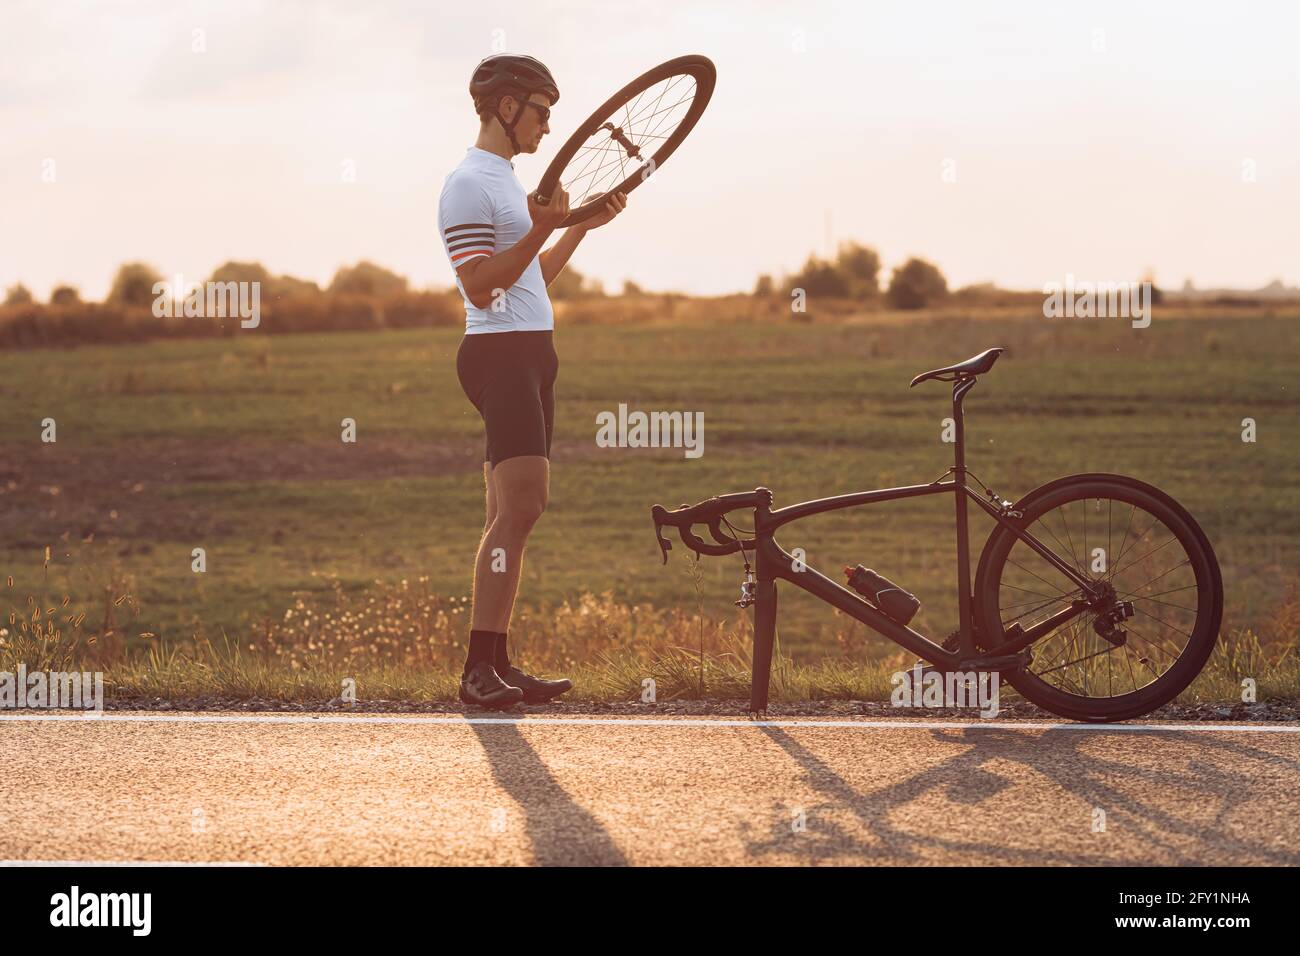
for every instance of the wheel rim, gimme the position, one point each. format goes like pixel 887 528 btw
pixel 1133 555
pixel 631 135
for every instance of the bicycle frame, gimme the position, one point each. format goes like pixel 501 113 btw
pixel 773 563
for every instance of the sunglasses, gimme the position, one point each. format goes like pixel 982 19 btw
pixel 543 112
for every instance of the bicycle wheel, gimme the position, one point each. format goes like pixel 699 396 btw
pixel 653 112
pixel 1153 617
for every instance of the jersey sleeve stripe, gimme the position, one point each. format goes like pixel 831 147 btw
pixel 471 254
pixel 460 232
pixel 469 244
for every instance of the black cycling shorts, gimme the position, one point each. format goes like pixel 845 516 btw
pixel 510 378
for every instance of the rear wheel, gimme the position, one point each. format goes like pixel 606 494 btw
pixel 1151 620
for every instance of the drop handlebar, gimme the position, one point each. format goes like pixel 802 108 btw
pixel 710 513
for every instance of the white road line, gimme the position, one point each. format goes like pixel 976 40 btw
pixel 641 722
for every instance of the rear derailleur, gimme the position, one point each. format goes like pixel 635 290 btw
pixel 1109 614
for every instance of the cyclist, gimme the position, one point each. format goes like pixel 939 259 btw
pixel 507 362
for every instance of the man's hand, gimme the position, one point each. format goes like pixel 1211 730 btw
pixel 550 216
pixel 616 204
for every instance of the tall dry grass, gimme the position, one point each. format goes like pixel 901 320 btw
pixel 405 642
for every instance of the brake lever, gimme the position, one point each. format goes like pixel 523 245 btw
pixel 664 544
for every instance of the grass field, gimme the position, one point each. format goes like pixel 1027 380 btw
pixel 233 446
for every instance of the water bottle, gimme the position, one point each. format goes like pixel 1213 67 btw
pixel 899 605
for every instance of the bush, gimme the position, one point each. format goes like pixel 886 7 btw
pixel 290 287
pixel 241 272
pixel 366 278
pixel 570 284
pixel 915 285
pixel 273 287
pixel 852 275
pixel 18 295
pixel 418 310
pixel 861 268
pixel 819 278
pixel 133 285
pixel 65 295
pixel 353 312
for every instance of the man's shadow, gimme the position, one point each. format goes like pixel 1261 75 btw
pixel 562 832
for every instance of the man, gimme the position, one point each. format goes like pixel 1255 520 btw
pixel 507 363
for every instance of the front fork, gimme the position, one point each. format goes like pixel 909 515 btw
pixel 764 630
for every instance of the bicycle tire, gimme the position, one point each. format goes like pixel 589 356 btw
pixel 701 68
pixel 1205 568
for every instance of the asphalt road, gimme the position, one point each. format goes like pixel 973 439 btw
pixel 429 790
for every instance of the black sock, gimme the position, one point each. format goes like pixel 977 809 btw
pixel 502 657
pixel 482 647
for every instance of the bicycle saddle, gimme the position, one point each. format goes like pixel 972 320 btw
pixel 976 365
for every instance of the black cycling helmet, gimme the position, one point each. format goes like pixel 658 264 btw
pixel 513 74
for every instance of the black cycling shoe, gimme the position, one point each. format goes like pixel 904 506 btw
pixel 534 689
pixel 483 686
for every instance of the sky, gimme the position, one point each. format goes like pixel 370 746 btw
pixel 1008 142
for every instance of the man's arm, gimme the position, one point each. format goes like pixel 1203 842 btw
pixel 553 259
pixel 481 274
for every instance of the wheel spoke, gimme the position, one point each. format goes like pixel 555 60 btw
pixel 1144 557
pixel 1126 546
pixel 1066 525
pixel 1163 623
pixel 1050 597
pixel 1157 578
pixel 1039 522
pixel 1105 650
pixel 1150 643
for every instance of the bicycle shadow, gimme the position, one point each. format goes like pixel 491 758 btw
pixel 561 831
pixel 964 778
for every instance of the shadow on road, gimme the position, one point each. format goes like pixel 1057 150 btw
pixel 1055 756
pixel 562 832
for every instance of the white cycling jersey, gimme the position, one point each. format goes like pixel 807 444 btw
pixel 483 211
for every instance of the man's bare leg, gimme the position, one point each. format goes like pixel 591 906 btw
pixel 518 490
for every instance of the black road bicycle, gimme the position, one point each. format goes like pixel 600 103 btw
pixel 1097 597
